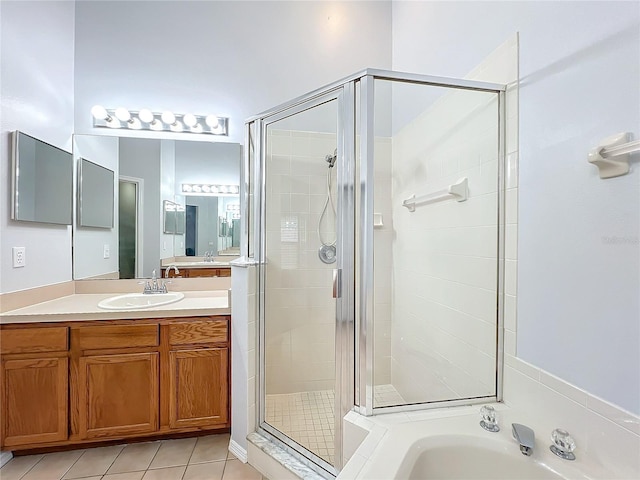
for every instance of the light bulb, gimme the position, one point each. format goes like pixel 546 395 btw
pixel 190 120
pixel 135 123
pixel 168 117
pixel 197 188
pixel 214 188
pixel 123 114
pixel 113 122
pixel 145 115
pixel 206 188
pixel 212 121
pixel 176 126
pixel 222 189
pixel 197 128
pixel 155 125
pixel 99 112
pixel 186 187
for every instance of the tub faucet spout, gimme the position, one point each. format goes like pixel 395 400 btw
pixel 525 437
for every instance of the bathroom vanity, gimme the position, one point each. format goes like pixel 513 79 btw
pixel 102 379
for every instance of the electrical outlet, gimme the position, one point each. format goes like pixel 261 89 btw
pixel 105 252
pixel 19 257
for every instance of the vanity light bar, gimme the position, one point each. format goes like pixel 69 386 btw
pixel 159 122
pixel 209 189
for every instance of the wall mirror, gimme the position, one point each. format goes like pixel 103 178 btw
pixel 95 195
pixel 41 181
pixel 166 205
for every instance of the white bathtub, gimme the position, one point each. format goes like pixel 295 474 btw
pixel 457 448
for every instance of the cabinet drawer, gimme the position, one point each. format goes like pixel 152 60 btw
pixel 27 340
pixel 117 336
pixel 214 331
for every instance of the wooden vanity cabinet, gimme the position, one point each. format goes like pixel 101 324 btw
pixel 34 385
pixel 186 272
pixel 115 379
pixel 93 381
pixel 198 374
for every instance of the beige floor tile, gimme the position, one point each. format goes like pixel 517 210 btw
pixel 210 449
pixel 94 461
pixel 15 468
pixel 135 457
pixel 236 470
pixel 173 453
pixel 53 465
pixel 173 473
pixel 124 476
pixel 204 471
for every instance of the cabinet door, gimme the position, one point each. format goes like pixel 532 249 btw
pixel 118 394
pixel 34 400
pixel 199 393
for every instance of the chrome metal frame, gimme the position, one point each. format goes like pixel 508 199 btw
pixel 344 368
pixel 354 333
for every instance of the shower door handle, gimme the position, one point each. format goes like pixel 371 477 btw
pixel 336 282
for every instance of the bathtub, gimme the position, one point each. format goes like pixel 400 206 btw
pixel 457 448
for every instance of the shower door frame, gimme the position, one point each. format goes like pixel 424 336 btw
pixel 354 348
pixel 343 276
pixel 364 345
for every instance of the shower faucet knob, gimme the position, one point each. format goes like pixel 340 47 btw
pixel 489 421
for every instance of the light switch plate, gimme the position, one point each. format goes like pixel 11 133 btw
pixel 19 257
pixel 106 252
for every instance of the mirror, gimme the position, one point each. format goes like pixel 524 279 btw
pixel 95 195
pixel 42 181
pixel 156 222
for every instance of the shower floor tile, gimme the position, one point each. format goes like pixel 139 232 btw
pixel 309 419
pixel 386 396
pixel 306 417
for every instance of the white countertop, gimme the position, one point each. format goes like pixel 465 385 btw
pixel 198 264
pixel 80 307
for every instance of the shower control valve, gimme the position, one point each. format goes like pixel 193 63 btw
pixel 489 421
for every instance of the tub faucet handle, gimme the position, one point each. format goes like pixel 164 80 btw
pixel 563 444
pixel 489 421
pixel 525 437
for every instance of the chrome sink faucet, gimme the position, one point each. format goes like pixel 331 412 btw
pixel 168 269
pixel 151 287
pixel 525 437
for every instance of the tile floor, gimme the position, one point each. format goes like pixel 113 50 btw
pixel 308 418
pixel 201 458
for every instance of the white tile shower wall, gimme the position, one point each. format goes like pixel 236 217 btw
pixel 243 366
pixel 444 253
pixel 445 276
pixel 382 240
pixel 300 308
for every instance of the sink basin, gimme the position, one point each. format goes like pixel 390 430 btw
pixel 140 300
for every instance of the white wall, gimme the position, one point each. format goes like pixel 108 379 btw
pixel 169 243
pixel 225 57
pixel 578 310
pixel 36 81
pixel 140 158
pixel 88 243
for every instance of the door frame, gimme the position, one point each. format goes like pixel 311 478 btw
pixel 343 280
pixel 139 183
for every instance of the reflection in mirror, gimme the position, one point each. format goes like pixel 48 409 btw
pixel 95 195
pixel 42 181
pixel 149 177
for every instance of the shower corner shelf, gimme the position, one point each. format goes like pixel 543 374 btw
pixel 458 190
pixel 611 156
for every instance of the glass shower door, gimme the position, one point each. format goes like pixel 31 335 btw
pixel 300 259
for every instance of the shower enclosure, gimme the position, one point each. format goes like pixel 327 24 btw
pixel 374 212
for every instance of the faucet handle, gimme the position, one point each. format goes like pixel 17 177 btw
pixel 489 421
pixel 563 444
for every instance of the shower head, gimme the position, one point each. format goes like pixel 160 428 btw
pixel 331 159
